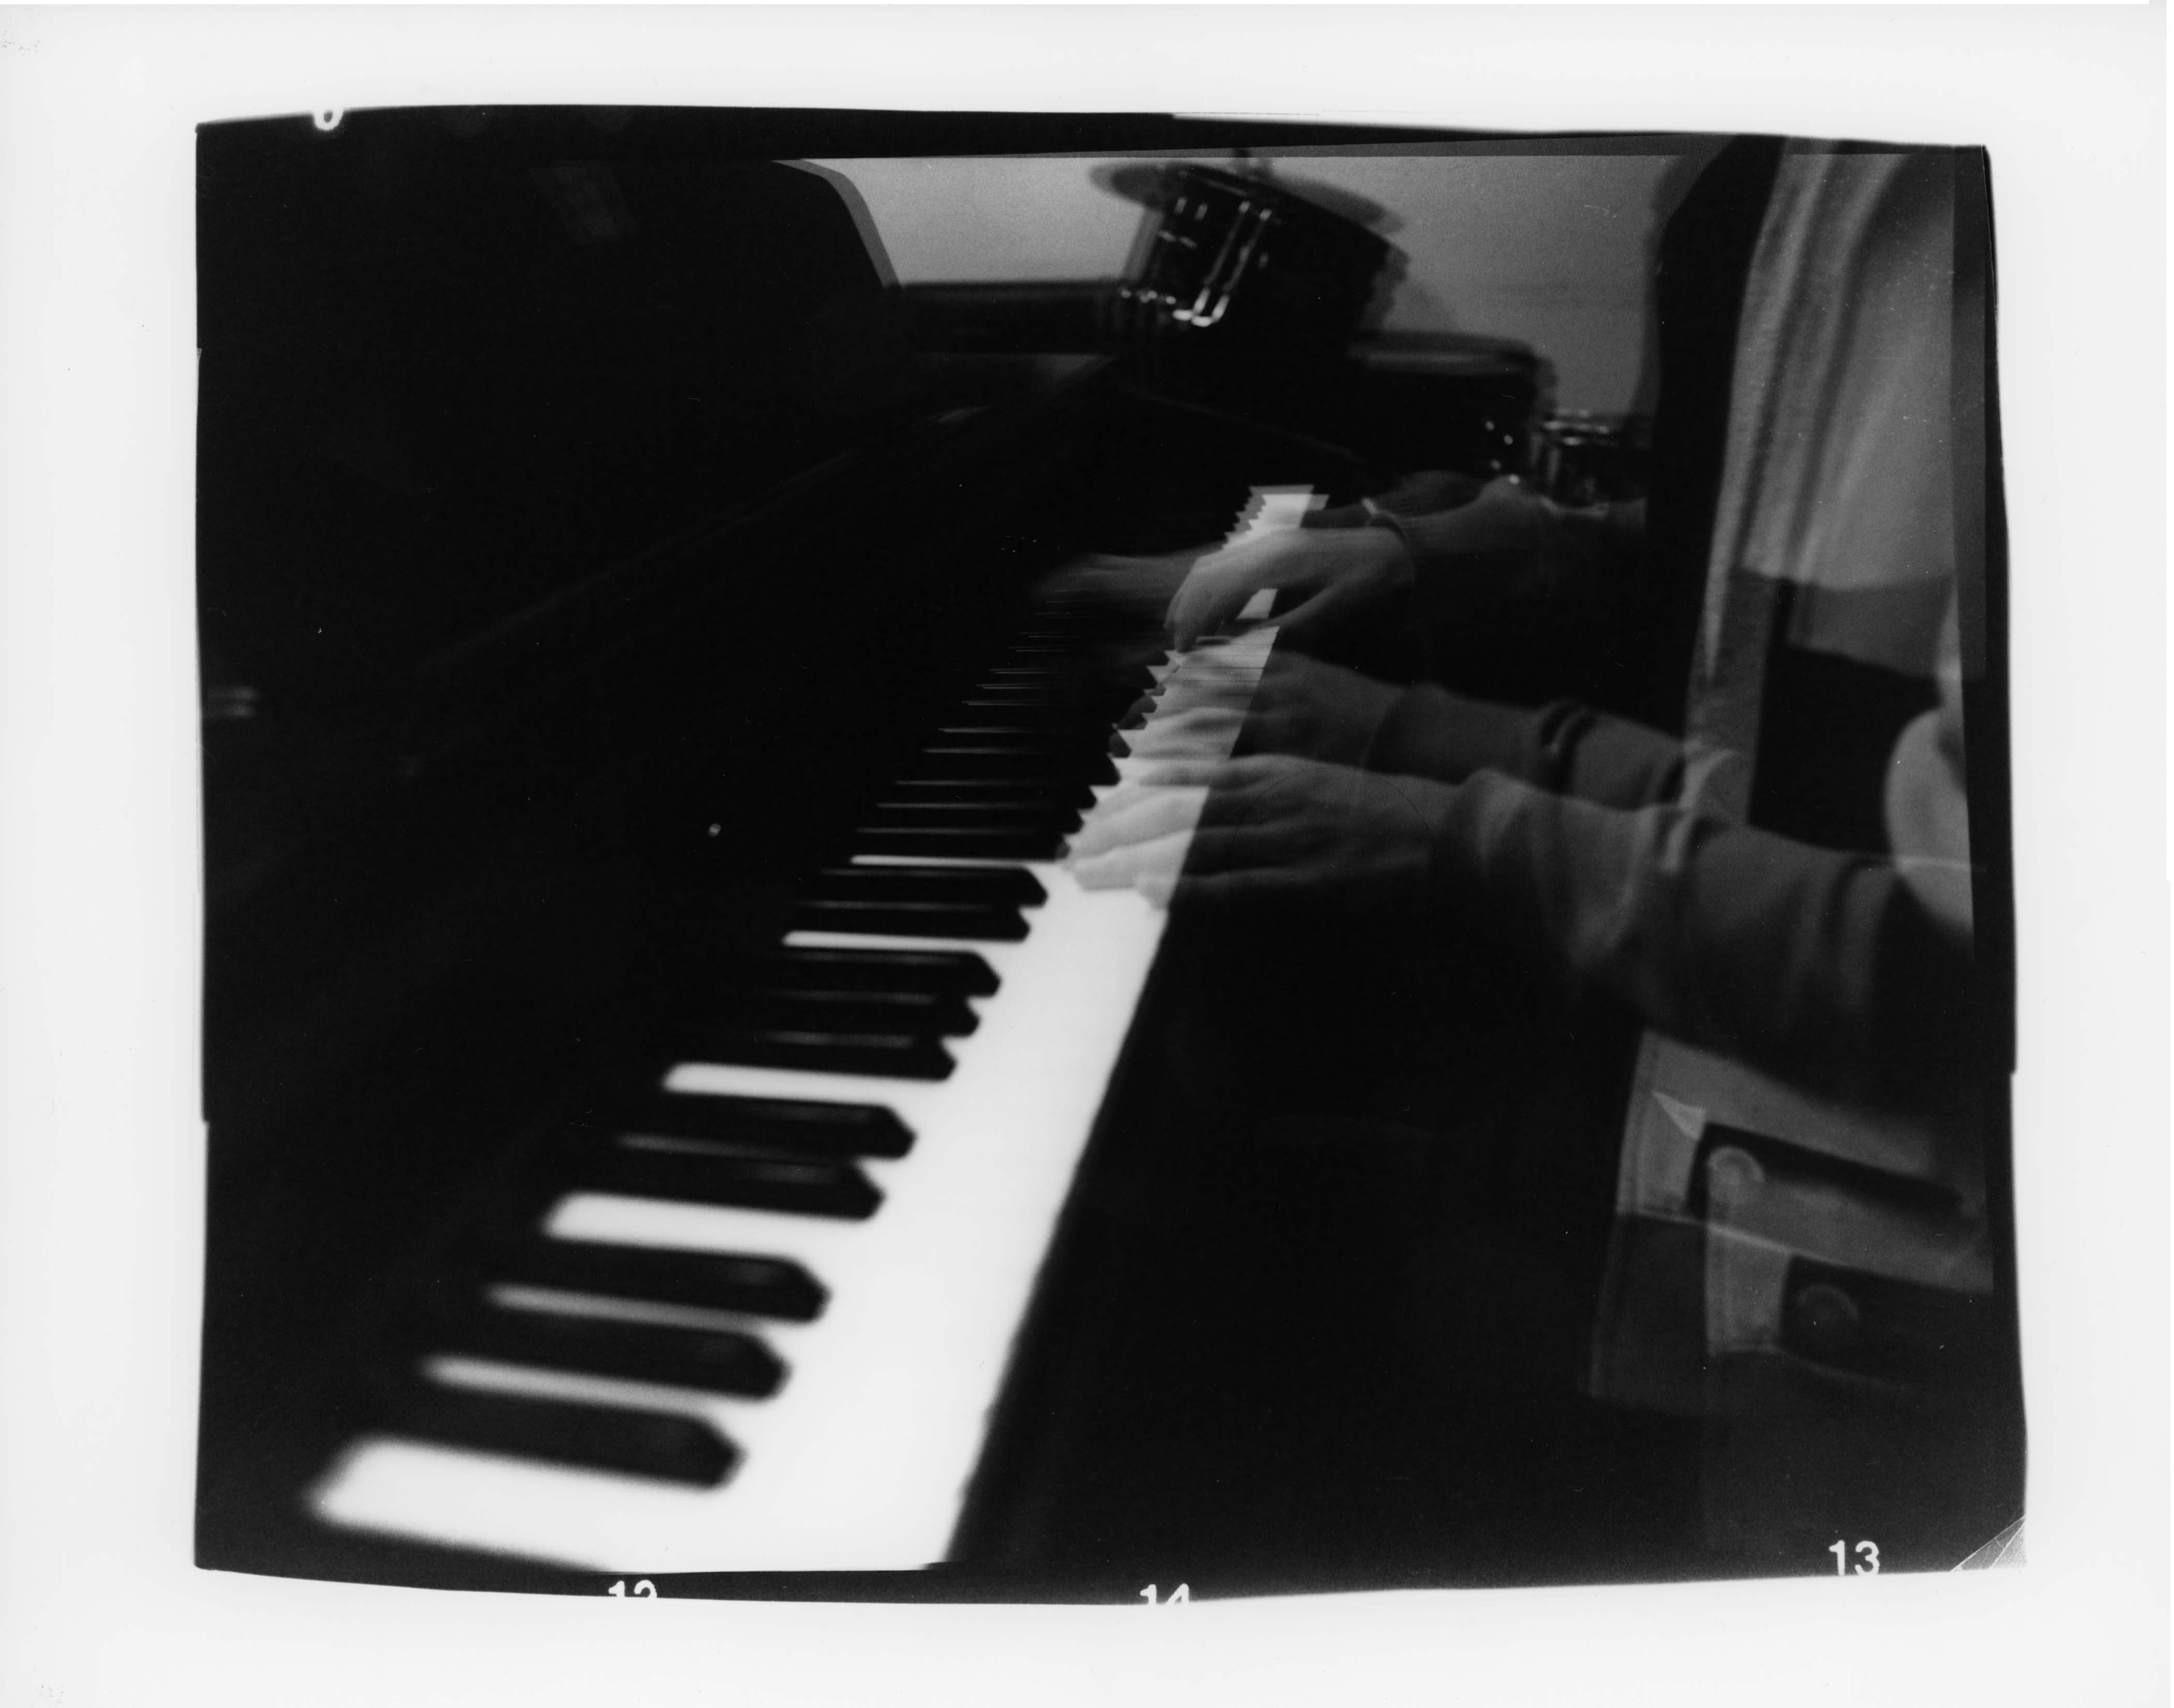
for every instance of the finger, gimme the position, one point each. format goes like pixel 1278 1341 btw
pixel 1225 684
pixel 1260 771
pixel 1222 582
pixel 1142 785
pixel 1123 868
pixel 1304 620
pixel 1234 777
pixel 1159 886
pixel 1207 730
pixel 1294 674
pixel 1208 600
pixel 1176 773
pixel 1149 817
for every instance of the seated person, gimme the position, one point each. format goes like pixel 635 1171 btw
pixel 1806 981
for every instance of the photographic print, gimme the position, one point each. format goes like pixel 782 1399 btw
pixel 1100 857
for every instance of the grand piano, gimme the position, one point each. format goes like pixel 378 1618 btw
pixel 669 1112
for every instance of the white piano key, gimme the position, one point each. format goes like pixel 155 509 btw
pixel 879 939
pixel 886 1405
pixel 929 860
pixel 561 1302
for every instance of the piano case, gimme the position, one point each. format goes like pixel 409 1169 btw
pixel 582 544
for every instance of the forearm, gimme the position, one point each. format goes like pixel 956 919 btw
pixel 1422 494
pixel 1511 552
pixel 1812 964
pixel 1563 747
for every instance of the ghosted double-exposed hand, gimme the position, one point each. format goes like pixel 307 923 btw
pixel 1138 589
pixel 1317 711
pixel 1267 826
pixel 1508 544
pixel 1299 706
pixel 1344 571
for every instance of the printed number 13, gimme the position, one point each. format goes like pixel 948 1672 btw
pixel 1866 1567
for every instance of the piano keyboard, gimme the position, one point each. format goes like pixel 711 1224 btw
pixel 763 1325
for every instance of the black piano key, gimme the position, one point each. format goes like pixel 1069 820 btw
pixel 1012 886
pixel 715 1280
pixel 1073 625
pixel 899 1055
pixel 940 813
pixel 799 1009
pixel 1045 694
pixel 767 1123
pixel 1065 727
pixel 1068 797
pixel 662 1445
pixel 1027 766
pixel 960 844
pixel 927 808
pixel 1058 741
pixel 966 920
pixel 955 972
pixel 1060 734
pixel 1077 687
pixel 800 1185
pixel 717 1360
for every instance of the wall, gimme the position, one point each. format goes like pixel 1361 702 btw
pixel 1552 250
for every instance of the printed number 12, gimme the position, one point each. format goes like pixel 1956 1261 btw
pixel 1865 1567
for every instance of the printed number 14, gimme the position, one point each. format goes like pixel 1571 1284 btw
pixel 1866 1567
pixel 1181 1593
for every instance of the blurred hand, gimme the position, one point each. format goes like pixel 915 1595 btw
pixel 1508 543
pixel 1344 570
pixel 1198 709
pixel 1269 826
pixel 1505 515
pixel 1299 706
pixel 1137 838
pixel 1138 588
pixel 1317 711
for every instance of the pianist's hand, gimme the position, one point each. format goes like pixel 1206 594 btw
pixel 1137 588
pixel 1266 827
pixel 1317 711
pixel 1299 706
pixel 1344 570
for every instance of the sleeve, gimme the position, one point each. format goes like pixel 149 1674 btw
pixel 1510 552
pixel 1422 494
pixel 1823 967
pixel 1563 748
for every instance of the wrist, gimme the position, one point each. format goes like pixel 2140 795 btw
pixel 1426 731
pixel 1386 540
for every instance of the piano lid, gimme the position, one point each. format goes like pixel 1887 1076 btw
pixel 453 361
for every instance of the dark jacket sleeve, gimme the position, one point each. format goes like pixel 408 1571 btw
pixel 1814 965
